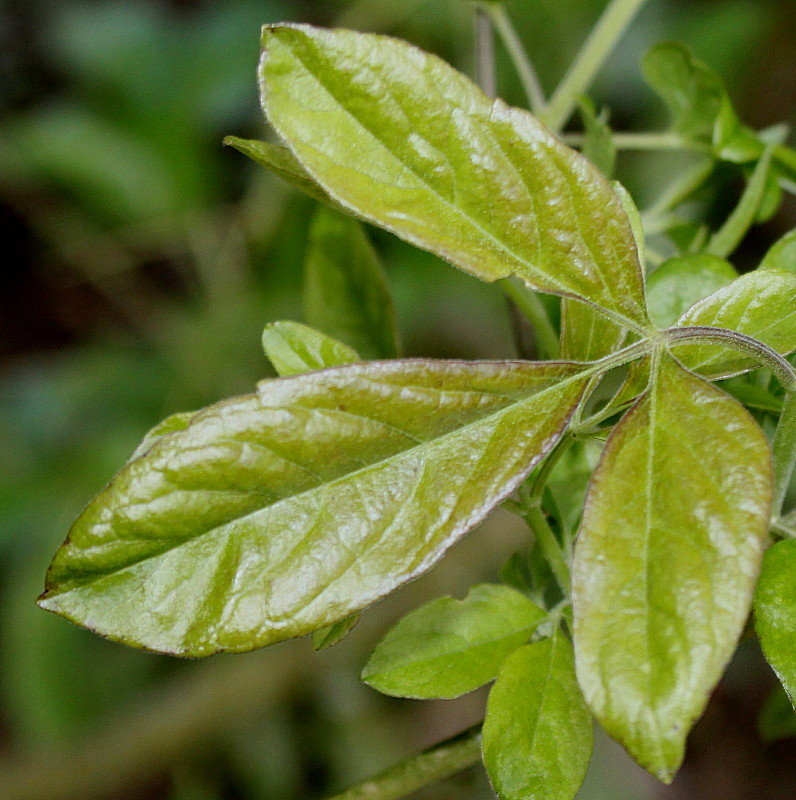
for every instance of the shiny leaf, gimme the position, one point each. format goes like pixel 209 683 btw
pixel 760 304
pixel 682 281
pixel 537 735
pixel 402 139
pixel 294 348
pixel 665 563
pixel 345 290
pixel 782 254
pixel 450 647
pixel 775 613
pixel 276 514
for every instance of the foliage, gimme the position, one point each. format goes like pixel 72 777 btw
pixel 291 510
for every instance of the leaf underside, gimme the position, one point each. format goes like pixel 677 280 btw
pixel 276 514
pixel 666 560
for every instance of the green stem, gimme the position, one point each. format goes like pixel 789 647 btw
pixel 784 449
pixel 643 141
pixel 531 306
pixel 523 65
pixel 679 191
pixel 603 39
pixel 551 548
pixel 438 762
pixel 485 53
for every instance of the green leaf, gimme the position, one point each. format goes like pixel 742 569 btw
pixel 775 613
pixel 334 634
pixel 777 720
pixel 537 735
pixel 278 159
pixel 682 281
pixel 692 91
pixel 760 304
pixel 402 139
pixel 345 289
pixel 294 348
pixel 450 647
pixel 730 235
pixel 671 541
pixel 176 422
pixel 782 254
pixel 598 143
pixel 273 515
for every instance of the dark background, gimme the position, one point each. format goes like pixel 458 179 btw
pixel 142 261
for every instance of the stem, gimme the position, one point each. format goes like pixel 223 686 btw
pixel 433 764
pixel 602 40
pixel 531 306
pixel 485 53
pixel 784 449
pixel 523 65
pixel 549 544
pixel 643 141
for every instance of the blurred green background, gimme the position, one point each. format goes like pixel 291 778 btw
pixel 143 260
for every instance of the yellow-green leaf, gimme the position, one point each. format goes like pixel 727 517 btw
pixel 402 139
pixel 666 560
pixel 276 514
pixel 294 348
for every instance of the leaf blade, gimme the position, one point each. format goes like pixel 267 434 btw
pixel 537 735
pixel 449 647
pixel 416 148
pixel 208 542
pixel 664 568
pixel 294 348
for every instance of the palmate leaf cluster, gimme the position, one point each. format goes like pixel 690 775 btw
pixel 290 510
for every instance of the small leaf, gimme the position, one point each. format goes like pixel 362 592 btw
pixel 782 254
pixel 775 612
pixel 777 719
pixel 760 304
pixel 730 235
pixel 598 143
pixel 294 348
pixel 669 548
pixel 450 647
pixel 345 289
pixel 682 281
pixel 402 139
pixel 273 515
pixel 537 735
pixel 334 634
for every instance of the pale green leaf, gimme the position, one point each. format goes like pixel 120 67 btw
pixel 760 304
pixel 334 634
pixel 775 613
pixel 276 514
pixel 400 138
pixel 669 549
pixel 278 159
pixel 537 735
pixel 294 348
pixel 345 289
pixel 682 281
pixel 450 647
pixel 176 422
pixel 782 254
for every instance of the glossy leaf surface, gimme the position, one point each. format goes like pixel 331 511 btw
pixel 775 612
pixel 682 281
pixel 665 563
pixel 273 515
pixel 345 290
pixel 294 348
pixel 760 304
pixel 537 735
pixel 450 647
pixel 402 139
